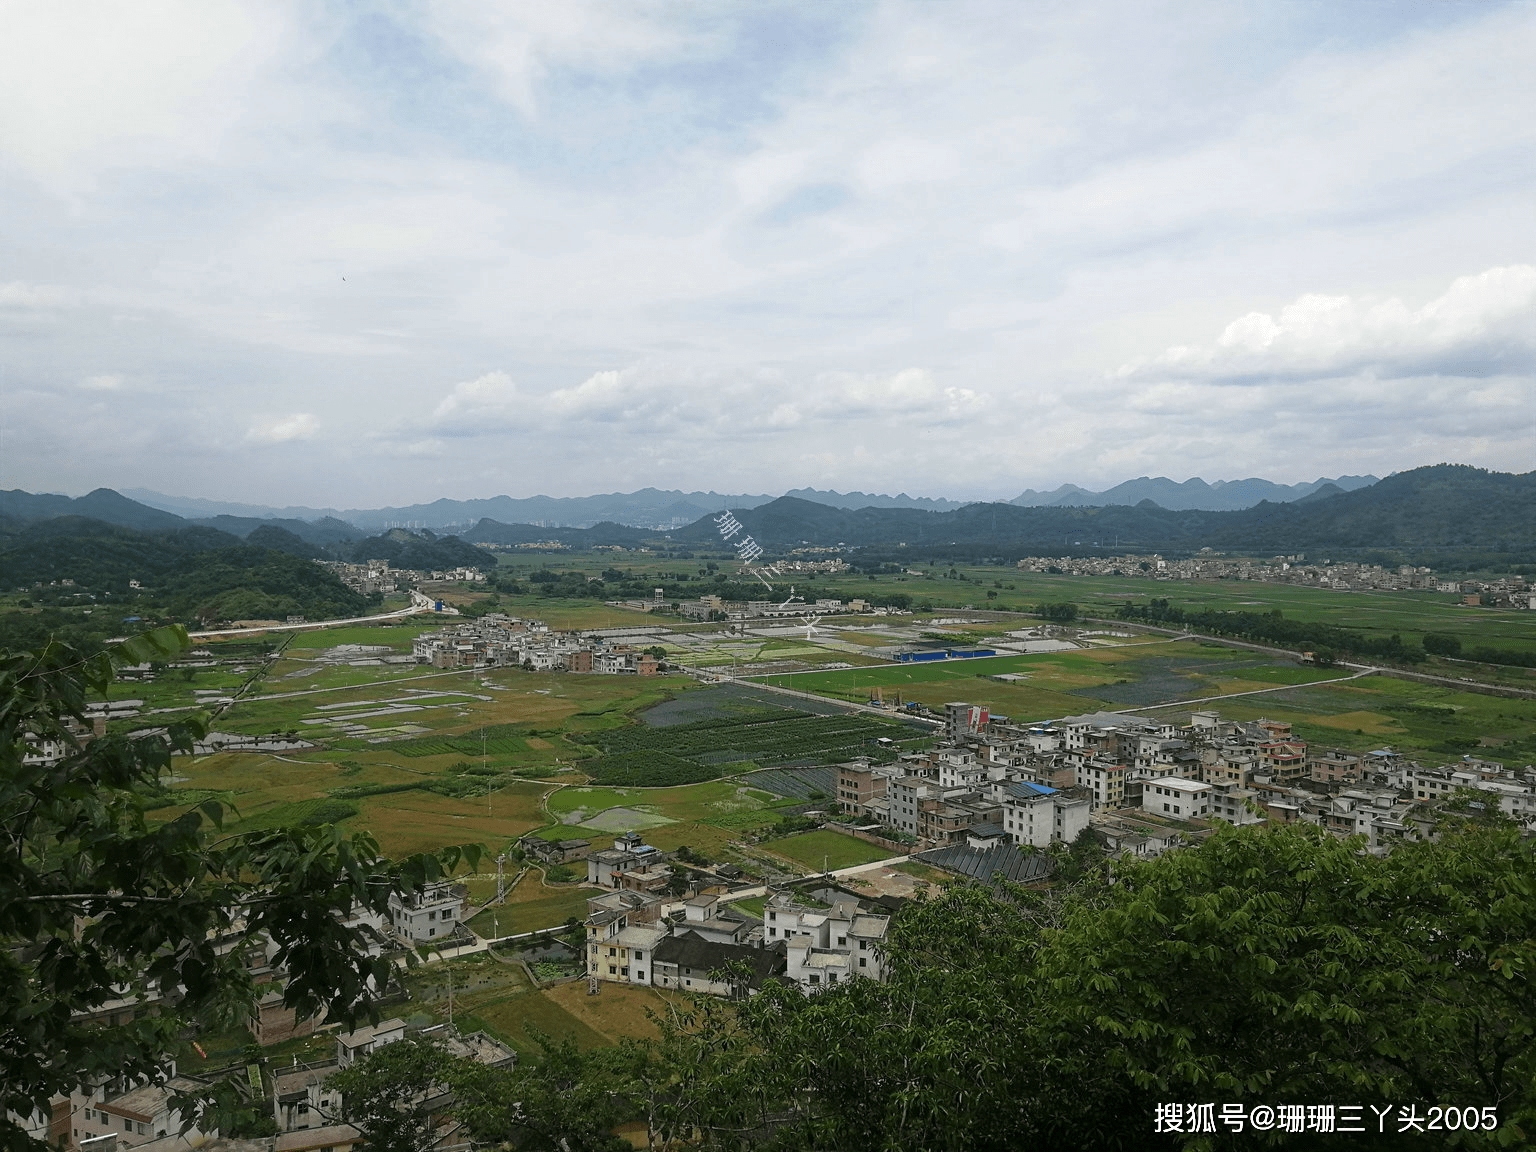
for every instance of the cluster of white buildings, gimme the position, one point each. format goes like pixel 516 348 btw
pixel 1506 592
pixel 118 1113
pixel 378 576
pixel 636 935
pixel 501 641
pixel 1145 785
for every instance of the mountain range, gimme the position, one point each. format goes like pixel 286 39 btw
pixel 669 509
pixel 1440 507
pixel 1193 494
pixel 1445 506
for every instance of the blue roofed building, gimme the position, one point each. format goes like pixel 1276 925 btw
pixel 1040 815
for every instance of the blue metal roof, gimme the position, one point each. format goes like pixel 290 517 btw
pixel 1027 791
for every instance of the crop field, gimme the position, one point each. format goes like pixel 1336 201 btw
pixel 395 636
pixel 825 848
pixel 1418 719
pixel 703 816
pixel 542 908
pixel 762 740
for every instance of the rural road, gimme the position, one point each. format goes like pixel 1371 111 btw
pixel 848 704
pixel 413 610
pixel 1251 692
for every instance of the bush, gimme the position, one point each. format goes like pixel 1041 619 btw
pixel 1439 644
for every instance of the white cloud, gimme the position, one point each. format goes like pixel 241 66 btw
pixel 110 382
pixel 299 426
pixel 518 46
pixel 895 244
pixel 1482 325
pixel 488 403
pixel 85 80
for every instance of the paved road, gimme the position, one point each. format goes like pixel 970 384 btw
pixel 848 704
pixel 1253 692
pixel 414 610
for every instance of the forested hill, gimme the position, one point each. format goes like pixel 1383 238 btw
pixel 1445 506
pixel 193 575
pixel 422 551
pixel 119 527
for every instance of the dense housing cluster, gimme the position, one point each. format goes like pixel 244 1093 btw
pixel 1145 785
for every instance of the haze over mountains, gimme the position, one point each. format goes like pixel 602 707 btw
pixel 669 509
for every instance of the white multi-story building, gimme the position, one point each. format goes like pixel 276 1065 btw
pixel 1039 815
pixel 1175 796
pixel 825 947
pixel 431 914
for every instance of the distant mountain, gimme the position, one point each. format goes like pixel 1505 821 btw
pixel 103 504
pixel 648 508
pixel 1444 506
pixel 490 531
pixel 327 532
pixel 1192 494
pixel 194 508
pixel 865 500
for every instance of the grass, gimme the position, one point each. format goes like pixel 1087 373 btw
pixel 924 872
pixel 549 910
pixel 826 848
pixel 516 1019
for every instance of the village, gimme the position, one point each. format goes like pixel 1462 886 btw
pixel 1505 592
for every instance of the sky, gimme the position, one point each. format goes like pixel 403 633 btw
pixel 378 253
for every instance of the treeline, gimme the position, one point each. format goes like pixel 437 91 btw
pixel 1326 641
pixel 735 587
pixel 191 574
pixel 1274 627
pixel 1266 971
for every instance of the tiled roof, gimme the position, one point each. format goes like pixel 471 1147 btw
pixel 690 950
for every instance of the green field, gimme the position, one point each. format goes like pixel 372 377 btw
pixel 550 908
pixel 826 848
pixel 1419 719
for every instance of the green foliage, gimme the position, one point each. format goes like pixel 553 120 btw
pixel 566 1101
pixel 1267 964
pixel 1439 644
pixel 1275 628
pixel 386 1094
pixel 653 769
pixel 98 904
pixel 1063 612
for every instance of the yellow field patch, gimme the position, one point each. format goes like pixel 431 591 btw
pixel 406 822
pixel 618 1010
pixel 1373 722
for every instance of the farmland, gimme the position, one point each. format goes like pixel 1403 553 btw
pixel 1419 719
pixel 825 849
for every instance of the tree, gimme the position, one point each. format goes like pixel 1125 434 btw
pixel 392 1094
pixel 1439 644
pixel 98 904
pixel 566 1101
pixel 1265 965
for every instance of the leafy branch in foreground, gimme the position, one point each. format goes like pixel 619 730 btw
pixel 100 907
